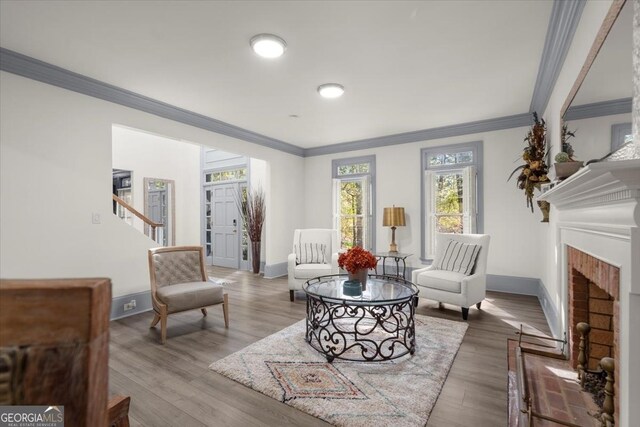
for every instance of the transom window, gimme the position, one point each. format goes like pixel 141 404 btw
pixel 226 175
pixel 463 157
pixel 353 195
pixel 451 183
pixel 353 169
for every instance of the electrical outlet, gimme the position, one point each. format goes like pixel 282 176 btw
pixel 95 218
pixel 130 305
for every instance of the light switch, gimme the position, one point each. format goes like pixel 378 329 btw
pixel 95 218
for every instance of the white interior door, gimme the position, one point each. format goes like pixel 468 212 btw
pixel 225 227
pixel 157 212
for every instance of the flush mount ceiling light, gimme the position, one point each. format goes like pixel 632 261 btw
pixel 268 45
pixel 331 90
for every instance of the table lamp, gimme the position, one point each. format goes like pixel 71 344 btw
pixel 393 217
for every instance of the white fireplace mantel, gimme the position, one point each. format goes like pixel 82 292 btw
pixel 597 184
pixel 597 211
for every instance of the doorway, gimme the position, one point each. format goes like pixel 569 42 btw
pixel 159 207
pixel 226 240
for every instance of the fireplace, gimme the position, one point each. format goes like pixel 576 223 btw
pixel 594 289
pixel 595 232
pixel 594 292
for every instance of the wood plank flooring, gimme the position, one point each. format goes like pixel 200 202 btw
pixel 171 385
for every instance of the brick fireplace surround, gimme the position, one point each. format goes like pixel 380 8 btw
pixel 595 248
pixel 594 293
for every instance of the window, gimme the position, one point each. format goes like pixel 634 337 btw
pixel 451 185
pixel 620 135
pixel 226 175
pixel 354 201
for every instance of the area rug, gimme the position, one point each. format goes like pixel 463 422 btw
pixel 219 281
pixel 401 392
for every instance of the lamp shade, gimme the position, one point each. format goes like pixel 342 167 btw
pixel 393 217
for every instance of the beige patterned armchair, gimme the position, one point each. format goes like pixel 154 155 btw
pixel 179 283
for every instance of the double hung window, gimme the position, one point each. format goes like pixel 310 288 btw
pixel 450 192
pixel 353 201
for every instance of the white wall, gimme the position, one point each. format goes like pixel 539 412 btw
pixel 515 232
pixel 593 135
pixel 55 171
pixel 590 22
pixel 592 18
pixel 154 156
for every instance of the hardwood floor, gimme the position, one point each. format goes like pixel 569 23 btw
pixel 171 385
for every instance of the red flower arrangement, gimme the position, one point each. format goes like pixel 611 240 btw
pixel 356 259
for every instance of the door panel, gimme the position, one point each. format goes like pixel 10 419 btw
pixel 224 222
pixel 157 212
pixel 208 223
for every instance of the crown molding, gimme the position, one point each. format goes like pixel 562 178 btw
pixel 488 125
pixel 26 66
pixel 565 14
pixel 599 109
pixel 563 22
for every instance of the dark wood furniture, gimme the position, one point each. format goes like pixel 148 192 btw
pixel 54 345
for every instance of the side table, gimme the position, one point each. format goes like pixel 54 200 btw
pixel 397 257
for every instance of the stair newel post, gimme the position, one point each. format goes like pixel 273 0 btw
pixel 584 329
pixel 608 406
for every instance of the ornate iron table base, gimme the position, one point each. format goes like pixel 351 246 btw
pixel 360 332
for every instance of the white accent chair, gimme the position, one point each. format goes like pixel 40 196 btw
pixel 300 273
pixel 452 287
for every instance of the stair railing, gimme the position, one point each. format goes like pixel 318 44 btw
pixel 152 224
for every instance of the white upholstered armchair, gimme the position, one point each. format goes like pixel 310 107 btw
pixel 315 253
pixel 452 278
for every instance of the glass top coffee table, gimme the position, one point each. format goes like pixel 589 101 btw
pixel 375 326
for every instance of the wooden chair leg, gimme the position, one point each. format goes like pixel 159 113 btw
pixel 163 327
pixel 478 305
pixel 156 319
pixel 465 313
pixel 204 311
pixel 225 310
pixel 291 295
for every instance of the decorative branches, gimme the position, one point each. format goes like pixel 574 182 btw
pixel 534 171
pixel 251 204
pixel 565 136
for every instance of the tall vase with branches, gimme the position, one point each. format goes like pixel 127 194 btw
pixel 252 207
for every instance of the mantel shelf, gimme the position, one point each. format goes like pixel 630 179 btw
pixel 597 184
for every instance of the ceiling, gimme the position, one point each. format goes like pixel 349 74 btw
pixel 406 66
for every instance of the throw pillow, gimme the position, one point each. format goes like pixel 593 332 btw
pixel 458 257
pixel 310 253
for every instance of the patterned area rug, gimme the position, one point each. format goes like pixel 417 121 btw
pixel 401 392
pixel 219 281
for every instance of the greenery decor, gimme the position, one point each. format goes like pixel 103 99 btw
pixel 356 259
pixel 534 171
pixel 565 136
pixel 253 211
pixel 562 157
